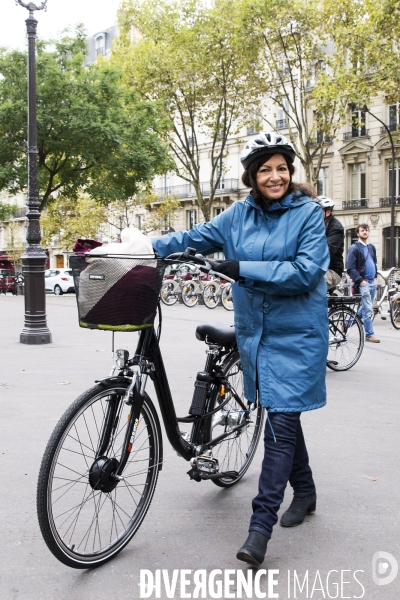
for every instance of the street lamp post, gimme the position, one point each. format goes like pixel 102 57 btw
pixel 393 186
pixel 35 329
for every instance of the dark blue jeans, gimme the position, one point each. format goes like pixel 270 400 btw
pixel 285 459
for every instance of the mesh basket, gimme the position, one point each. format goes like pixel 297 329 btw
pixel 117 293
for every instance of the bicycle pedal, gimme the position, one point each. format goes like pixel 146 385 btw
pixel 203 467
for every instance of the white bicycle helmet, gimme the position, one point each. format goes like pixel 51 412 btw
pixel 265 144
pixel 325 202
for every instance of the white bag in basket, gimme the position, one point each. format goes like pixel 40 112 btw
pixel 133 241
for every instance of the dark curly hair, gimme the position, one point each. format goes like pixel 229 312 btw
pixel 249 178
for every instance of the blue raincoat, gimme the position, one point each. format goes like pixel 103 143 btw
pixel 280 302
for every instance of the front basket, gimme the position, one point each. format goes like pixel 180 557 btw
pixel 118 292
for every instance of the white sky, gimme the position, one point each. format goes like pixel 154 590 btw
pixel 96 15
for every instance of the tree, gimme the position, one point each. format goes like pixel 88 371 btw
pixel 299 73
pixel 93 132
pixel 68 219
pixel 162 216
pixel 196 63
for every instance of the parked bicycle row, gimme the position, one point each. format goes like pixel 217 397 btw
pixel 185 283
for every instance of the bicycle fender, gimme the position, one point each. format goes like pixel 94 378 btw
pixel 108 380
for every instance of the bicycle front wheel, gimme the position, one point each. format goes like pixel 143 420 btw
pixel 86 517
pixel 235 452
pixel 211 295
pixel 169 293
pixel 346 339
pixel 395 312
pixel 189 295
pixel 226 297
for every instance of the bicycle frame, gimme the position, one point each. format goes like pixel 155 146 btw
pixel 149 360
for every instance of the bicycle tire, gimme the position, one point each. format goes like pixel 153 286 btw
pixel 211 295
pixel 189 296
pixel 346 339
pixel 395 312
pixel 81 525
pixel 168 293
pixel 234 453
pixel 226 297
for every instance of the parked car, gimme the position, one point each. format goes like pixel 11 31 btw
pixel 59 281
pixel 8 281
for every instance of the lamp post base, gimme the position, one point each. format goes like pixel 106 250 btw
pixel 38 336
pixel 35 329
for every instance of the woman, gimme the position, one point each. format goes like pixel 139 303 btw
pixel 276 248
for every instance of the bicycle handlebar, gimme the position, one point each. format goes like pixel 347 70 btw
pixel 190 255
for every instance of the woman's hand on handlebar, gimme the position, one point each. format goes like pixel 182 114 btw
pixel 230 268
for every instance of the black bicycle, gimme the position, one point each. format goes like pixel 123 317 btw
pixel 346 333
pixel 100 468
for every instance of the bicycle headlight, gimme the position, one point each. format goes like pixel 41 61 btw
pixel 121 358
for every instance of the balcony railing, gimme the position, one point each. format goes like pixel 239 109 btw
pixel 281 124
pixel 391 127
pixel 188 191
pixel 352 204
pixel 20 212
pixel 349 135
pixel 385 202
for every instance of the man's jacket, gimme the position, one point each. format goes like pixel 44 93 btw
pixel 356 262
pixel 335 239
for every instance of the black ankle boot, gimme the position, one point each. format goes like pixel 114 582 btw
pixel 299 508
pixel 254 549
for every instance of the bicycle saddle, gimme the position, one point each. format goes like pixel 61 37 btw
pixel 217 333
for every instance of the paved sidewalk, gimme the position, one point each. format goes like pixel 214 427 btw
pixel 353 442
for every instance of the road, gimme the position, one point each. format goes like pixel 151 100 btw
pixel 354 448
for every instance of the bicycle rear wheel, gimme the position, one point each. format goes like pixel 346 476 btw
pixel 169 293
pixel 395 312
pixel 226 297
pixel 189 295
pixel 211 295
pixel 346 339
pixel 235 452
pixel 86 517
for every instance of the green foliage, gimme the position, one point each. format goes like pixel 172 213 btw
pixel 7 211
pixel 197 64
pixel 92 130
pixel 69 219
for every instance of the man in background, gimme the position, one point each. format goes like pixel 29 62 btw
pixel 362 267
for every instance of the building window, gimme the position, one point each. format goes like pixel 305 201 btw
pixel 100 45
pixel 386 247
pixel 394 118
pixel 191 218
pixel 396 176
pixel 220 174
pixel 139 221
pixel 351 238
pixel 357 181
pixel 218 210
pixel 357 122
pixel 282 120
pixel 323 182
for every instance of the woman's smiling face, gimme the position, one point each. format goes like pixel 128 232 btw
pixel 273 177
